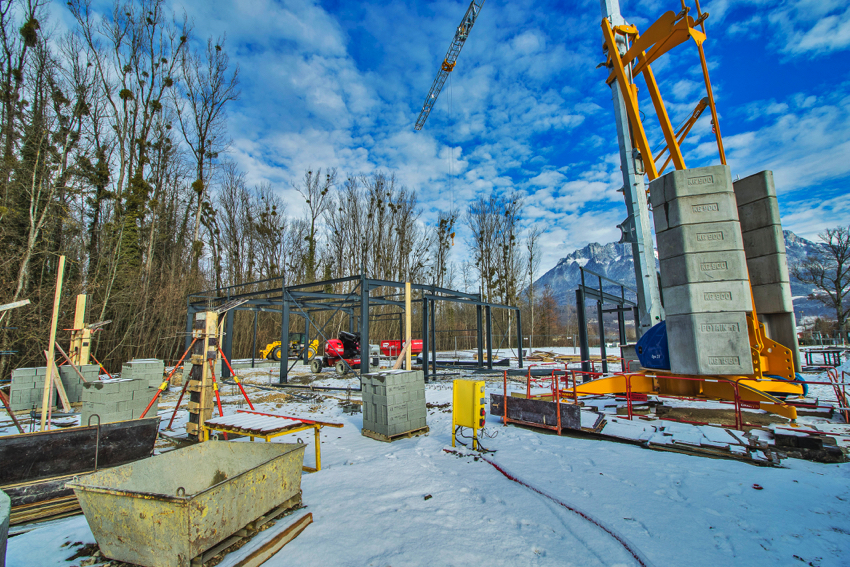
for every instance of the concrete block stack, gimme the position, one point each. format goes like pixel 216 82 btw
pixel 393 401
pixel 704 281
pixel 27 388
pixel 118 399
pixel 764 245
pixel 148 369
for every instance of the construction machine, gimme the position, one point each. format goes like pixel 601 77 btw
pixel 342 353
pixel 274 350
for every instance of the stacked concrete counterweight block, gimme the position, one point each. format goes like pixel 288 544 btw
pixel 148 369
pixel 704 280
pixel 393 401
pixel 764 245
pixel 116 400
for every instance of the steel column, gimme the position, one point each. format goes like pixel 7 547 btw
pixel 489 319
pixel 584 347
pixel 602 351
pixel 519 335
pixel 621 323
pixel 637 227
pixel 190 321
pixel 425 337
pixel 227 347
pixel 364 326
pixel 306 356
pixel 479 329
pixel 433 311
pixel 284 342
pixel 254 339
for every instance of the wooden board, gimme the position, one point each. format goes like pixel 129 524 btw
pixel 47 454
pixel 391 438
pixel 537 411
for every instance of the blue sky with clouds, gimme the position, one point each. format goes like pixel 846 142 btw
pixel 340 84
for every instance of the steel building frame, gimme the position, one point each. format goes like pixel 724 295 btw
pixel 621 306
pixel 303 300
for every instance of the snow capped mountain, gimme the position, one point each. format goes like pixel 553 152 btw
pixel 615 261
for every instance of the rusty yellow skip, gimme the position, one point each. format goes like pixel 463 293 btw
pixel 167 510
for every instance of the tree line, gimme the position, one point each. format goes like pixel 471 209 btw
pixel 115 154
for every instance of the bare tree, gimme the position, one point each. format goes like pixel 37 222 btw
pixel 206 86
pixel 829 272
pixel 316 193
pixel 532 256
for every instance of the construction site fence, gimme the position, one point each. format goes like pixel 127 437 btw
pixel 571 379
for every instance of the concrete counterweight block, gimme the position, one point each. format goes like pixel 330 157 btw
pixel 702 268
pixel 710 297
pixel 764 244
pixel 714 344
pixel 704 273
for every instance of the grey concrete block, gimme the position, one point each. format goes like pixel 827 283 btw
pixel 696 239
pixel 21 372
pixel 764 240
pixel 773 298
pixel 690 182
pixel 709 343
pixel 755 187
pixel 717 207
pixel 396 410
pixel 709 297
pixel 758 214
pixel 705 267
pixel 769 269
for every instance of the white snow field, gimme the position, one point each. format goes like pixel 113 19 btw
pixel 412 503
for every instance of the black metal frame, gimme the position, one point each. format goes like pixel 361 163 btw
pixel 302 300
pixel 622 305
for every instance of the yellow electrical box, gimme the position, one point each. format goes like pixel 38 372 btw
pixel 468 407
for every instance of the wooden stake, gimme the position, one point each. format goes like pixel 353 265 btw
pixel 275 544
pixel 408 329
pixel 402 356
pixel 45 398
pixel 60 387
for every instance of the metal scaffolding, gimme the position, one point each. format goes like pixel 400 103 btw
pixel 305 300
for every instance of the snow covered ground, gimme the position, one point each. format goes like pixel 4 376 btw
pixel 412 503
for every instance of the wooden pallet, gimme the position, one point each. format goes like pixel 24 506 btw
pixel 47 509
pixel 391 438
pixel 244 535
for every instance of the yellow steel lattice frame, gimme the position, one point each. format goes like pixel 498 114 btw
pixel 668 32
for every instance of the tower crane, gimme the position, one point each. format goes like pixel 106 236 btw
pixel 461 34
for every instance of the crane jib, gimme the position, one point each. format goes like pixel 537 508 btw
pixel 449 62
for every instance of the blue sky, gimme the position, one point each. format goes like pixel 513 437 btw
pixel 340 84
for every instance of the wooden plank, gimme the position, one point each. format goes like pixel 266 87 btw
pixel 68 360
pixel 408 328
pixel 537 411
pixel 60 387
pixel 14 305
pixel 54 321
pixel 402 356
pixel 48 454
pixel 271 547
